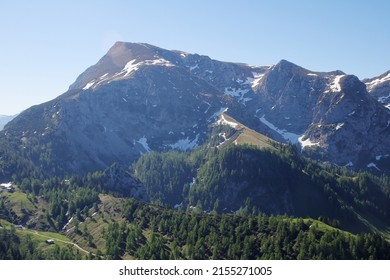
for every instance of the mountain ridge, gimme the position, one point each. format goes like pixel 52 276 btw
pixel 139 97
pixel 163 154
pixel 4 119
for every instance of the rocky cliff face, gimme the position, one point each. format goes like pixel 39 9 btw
pixel 330 114
pixel 139 98
pixel 379 87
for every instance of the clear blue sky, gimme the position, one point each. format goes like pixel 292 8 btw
pixel 45 45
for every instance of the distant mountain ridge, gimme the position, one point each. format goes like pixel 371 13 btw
pixel 4 120
pixel 379 87
pixel 139 98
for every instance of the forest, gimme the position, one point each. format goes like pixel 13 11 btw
pixel 153 232
pixel 235 202
pixel 182 235
pixel 266 181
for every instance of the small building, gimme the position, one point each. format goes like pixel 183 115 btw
pixel 49 241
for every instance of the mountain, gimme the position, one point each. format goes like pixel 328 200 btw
pixel 230 145
pixel 4 120
pixel 140 98
pixel 379 87
pixel 329 113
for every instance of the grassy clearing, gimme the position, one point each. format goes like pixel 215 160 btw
pixel 324 227
pixel 248 136
pixel 50 235
pixel 18 202
pixel 251 137
pixel 39 237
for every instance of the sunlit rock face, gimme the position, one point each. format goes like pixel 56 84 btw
pixel 139 98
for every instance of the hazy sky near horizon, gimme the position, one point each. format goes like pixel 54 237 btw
pixel 45 45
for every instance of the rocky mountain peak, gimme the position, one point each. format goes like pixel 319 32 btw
pixel 121 61
pixel 352 86
pixel 287 66
pixel 139 98
pixel 121 53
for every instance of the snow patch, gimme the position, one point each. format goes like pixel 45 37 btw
pixel 131 66
pixel 90 84
pixel 144 142
pixel 374 83
pixel 177 206
pixel 312 74
pixel 67 224
pixel 236 92
pixel 339 125
pixel 216 114
pixel 255 81
pixel 289 136
pixel 246 99
pixel 6 185
pixel 383 98
pixel 307 142
pixel 382 156
pixel 103 76
pixel 226 122
pixel 223 135
pixel 159 61
pixel 373 165
pixel 335 85
pixel 349 164
pixel 193 182
pixel 185 144
pixel 225 141
pixel 192 68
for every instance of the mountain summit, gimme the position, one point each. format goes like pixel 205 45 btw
pixel 120 61
pixel 140 98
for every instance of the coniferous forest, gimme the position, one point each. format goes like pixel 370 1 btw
pixel 239 202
